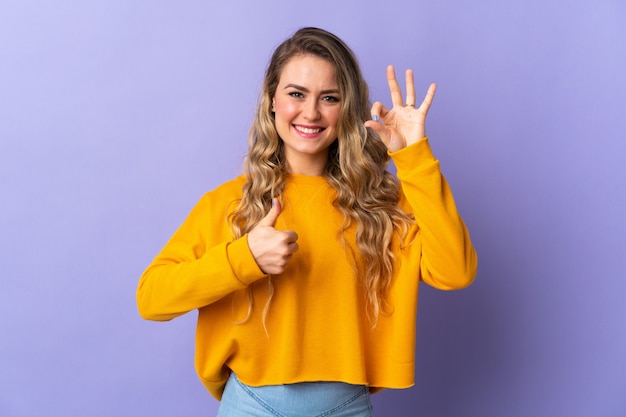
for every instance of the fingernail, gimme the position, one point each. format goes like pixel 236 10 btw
pixel 375 117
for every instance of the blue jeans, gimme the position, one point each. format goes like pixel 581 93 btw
pixel 306 399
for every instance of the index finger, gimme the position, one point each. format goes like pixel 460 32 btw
pixel 291 236
pixel 394 87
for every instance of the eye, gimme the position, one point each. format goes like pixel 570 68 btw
pixel 296 94
pixel 331 99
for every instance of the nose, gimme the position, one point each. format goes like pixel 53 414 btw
pixel 311 109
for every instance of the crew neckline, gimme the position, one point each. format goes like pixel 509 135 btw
pixel 306 179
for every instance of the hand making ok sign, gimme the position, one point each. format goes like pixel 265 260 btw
pixel 403 124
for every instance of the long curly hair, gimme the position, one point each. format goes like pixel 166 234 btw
pixel 367 194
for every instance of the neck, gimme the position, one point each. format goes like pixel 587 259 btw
pixel 311 166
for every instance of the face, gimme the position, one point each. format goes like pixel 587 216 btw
pixel 307 107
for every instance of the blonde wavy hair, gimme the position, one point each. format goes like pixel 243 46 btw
pixel 367 194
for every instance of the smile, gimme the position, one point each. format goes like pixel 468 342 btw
pixel 308 130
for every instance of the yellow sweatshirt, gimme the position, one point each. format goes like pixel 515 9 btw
pixel 317 326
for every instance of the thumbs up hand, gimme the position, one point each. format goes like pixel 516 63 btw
pixel 272 249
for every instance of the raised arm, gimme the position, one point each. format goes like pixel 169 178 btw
pixel 448 258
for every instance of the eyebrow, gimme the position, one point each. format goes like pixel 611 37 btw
pixel 306 90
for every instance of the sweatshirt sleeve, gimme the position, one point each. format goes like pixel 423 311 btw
pixel 198 266
pixel 448 258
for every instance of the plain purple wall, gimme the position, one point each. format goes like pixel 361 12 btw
pixel 115 117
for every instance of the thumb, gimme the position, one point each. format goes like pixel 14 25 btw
pixel 270 218
pixel 381 130
pixel 375 125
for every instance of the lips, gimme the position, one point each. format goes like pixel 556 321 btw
pixel 308 130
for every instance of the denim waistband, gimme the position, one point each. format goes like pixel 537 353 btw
pixel 306 399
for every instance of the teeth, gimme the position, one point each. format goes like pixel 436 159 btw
pixel 307 130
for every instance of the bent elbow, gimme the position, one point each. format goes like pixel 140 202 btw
pixel 147 308
pixel 457 277
pixel 151 314
pixel 466 276
pixel 466 279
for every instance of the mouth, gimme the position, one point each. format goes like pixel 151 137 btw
pixel 308 130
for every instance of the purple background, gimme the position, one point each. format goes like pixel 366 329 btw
pixel 115 117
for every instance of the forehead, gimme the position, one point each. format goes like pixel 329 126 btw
pixel 308 69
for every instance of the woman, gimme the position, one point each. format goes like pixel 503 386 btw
pixel 305 270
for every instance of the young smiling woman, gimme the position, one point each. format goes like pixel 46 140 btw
pixel 305 270
pixel 307 106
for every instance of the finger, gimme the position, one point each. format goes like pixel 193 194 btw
pixel 270 218
pixel 394 87
pixel 292 236
pixel 410 88
pixel 378 111
pixel 428 99
pixel 293 248
pixel 376 126
pixel 381 131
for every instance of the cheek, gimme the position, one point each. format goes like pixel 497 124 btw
pixel 333 116
pixel 283 109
